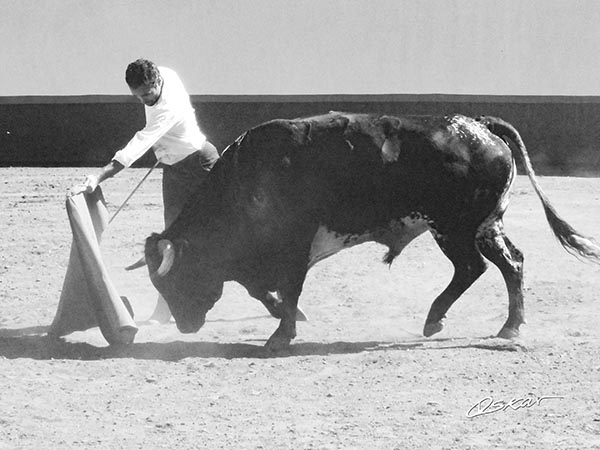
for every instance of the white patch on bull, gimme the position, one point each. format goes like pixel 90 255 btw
pixel 467 128
pixel 390 150
pixel 491 233
pixel 462 133
pixel 403 231
pixel 397 235
pixel 327 243
pixel 491 227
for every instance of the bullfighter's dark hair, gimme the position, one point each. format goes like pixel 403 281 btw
pixel 141 72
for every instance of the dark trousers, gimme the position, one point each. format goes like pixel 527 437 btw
pixel 181 180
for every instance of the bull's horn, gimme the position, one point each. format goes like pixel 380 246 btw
pixel 136 265
pixel 166 250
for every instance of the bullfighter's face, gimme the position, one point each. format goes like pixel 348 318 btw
pixel 148 94
pixel 189 287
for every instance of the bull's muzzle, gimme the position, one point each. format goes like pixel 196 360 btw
pixel 167 253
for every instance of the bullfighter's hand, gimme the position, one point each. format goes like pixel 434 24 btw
pixel 88 186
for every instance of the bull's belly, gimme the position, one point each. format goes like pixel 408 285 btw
pixel 397 235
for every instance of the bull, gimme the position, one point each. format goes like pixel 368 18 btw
pixel 289 193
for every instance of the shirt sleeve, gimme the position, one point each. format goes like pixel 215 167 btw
pixel 157 124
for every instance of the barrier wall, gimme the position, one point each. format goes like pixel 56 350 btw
pixel 561 133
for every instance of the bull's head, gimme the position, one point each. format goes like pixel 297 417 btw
pixel 186 280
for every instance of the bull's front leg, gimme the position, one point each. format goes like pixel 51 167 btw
pixel 274 304
pixel 290 291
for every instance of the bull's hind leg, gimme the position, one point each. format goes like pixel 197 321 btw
pixel 468 266
pixel 496 247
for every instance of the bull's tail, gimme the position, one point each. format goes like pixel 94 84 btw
pixel 573 241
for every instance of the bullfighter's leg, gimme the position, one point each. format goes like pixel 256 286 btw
pixel 495 246
pixel 469 265
pixel 290 290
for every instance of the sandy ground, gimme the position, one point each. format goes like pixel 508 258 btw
pixel 360 375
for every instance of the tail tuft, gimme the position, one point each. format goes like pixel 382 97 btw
pixel 572 241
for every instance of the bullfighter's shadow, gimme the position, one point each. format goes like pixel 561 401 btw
pixel 34 343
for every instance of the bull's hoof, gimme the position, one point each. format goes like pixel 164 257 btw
pixel 432 328
pixel 508 333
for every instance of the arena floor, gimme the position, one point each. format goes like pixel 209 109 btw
pixel 359 375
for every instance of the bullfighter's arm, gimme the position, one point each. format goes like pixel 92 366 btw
pixel 92 181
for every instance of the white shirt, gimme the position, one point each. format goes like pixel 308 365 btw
pixel 171 127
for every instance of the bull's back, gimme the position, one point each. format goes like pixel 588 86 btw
pixel 376 170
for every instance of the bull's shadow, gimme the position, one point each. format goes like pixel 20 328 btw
pixel 34 343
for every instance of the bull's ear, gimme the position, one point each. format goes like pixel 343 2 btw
pixel 390 150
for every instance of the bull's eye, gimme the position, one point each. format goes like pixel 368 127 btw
pixel 259 198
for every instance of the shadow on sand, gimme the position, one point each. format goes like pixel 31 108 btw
pixel 34 343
